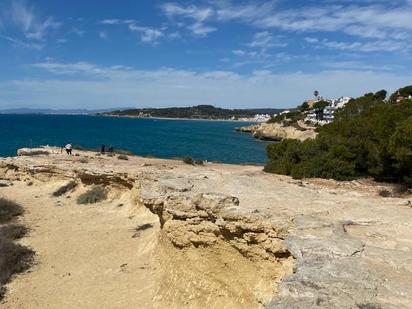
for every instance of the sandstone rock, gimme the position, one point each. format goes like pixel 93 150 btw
pixel 32 152
pixel 5 183
pixel 277 132
pixel 176 184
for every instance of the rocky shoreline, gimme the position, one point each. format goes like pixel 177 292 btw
pixel 219 236
pixel 278 132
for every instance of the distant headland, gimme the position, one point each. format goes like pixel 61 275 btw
pixel 197 112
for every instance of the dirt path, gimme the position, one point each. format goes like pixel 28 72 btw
pixel 86 255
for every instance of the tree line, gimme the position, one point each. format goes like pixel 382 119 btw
pixel 370 136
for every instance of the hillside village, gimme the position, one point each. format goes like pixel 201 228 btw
pixel 320 111
pixel 302 122
pixel 325 115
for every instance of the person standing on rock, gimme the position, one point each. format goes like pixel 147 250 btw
pixel 69 148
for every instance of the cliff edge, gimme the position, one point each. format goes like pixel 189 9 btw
pixel 173 235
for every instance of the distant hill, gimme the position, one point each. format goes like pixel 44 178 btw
pixel 193 112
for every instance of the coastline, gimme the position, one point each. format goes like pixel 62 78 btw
pixel 166 118
pixel 178 235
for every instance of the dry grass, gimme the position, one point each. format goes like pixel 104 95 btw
pixel 94 195
pixel 14 258
pixel 384 193
pixel 9 210
pixel 65 188
pixel 13 231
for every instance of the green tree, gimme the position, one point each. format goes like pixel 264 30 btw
pixel 369 137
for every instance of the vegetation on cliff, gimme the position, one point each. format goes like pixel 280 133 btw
pixel 369 137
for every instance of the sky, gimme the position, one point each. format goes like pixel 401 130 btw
pixel 228 53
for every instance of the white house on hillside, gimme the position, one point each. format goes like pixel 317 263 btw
pixel 327 114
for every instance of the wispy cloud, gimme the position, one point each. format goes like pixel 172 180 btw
pixel 364 47
pixel 147 35
pixel 103 35
pixel 72 84
pixel 196 15
pixel 23 26
pixel 359 19
pixel 116 21
pixel 20 43
pixel 265 40
pixel 30 23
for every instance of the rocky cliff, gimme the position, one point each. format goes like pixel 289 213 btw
pixel 277 132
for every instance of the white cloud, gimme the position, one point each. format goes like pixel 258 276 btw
pixel 147 35
pixel 118 86
pixel 201 30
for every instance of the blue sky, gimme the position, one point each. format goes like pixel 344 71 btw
pixel 100 54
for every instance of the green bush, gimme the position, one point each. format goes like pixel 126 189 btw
pixel 368 137
pixel 123 157
pixel 94 195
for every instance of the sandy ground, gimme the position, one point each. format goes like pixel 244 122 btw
pixel 87 256
pixel 90 256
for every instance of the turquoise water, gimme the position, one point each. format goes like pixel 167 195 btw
pixel 201 140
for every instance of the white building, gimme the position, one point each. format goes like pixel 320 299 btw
pixel 326 115
pixel 261 118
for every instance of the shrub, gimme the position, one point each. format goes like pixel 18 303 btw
pixel 368 137
pixel 384 193
pixel 14 258
pixel 123 157
pixel 124 152
pixel 13 231
pixel 199 162
pixel 9 210
pixel 94 195
pixel 65 188
pixel 188 160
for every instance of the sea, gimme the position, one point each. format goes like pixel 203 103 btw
pixel 212 140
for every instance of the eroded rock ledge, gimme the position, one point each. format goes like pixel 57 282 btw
pixel 202 219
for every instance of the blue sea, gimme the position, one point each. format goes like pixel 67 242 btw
pixel 201 140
